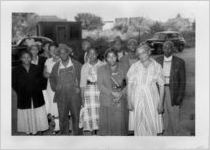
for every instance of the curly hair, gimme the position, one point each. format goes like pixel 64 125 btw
pixel 110 50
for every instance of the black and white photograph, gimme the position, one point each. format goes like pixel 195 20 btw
pixel 127 72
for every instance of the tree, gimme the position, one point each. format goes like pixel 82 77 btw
pixel 193 25
pixel 156 27
pixel 23 24
pixel 123 28
pixel 89 21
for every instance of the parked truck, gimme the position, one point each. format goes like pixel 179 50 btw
pixel 69 33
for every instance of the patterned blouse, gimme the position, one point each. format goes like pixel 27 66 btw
pixel 89 73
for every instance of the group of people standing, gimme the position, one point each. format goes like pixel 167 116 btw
pixel 127 93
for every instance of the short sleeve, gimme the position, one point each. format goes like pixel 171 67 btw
pixel 130 74
pixel 46 64
pixel 160 76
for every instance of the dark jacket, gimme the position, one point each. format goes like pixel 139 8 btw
pixel 177 79
pixel 41 65
pixel 28 86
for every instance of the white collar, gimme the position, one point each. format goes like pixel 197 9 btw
pixel 168 58
pixel 96 64
pixel 61 66
pixel 35 62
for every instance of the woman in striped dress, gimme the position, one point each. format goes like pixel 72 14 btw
pixel 145 77
pixel 90 93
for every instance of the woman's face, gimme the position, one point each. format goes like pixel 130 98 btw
pixel 132 46
pixel 118 45
pixel 52 50
pixel 142 54
pixel 111 58
pixel 92 55
pixel 34 51
pixel 46 47
pixel 25 59
pixel 85 45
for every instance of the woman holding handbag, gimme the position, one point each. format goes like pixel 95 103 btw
pixel 90 93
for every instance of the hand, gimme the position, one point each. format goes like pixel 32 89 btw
pixel 83 103
pixel 47 74
pixel 117 95
pixel 160 109
pixel 179 101
pixel 130 107
pixel 77 90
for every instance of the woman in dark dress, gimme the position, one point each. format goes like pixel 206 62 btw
pixel 26 81
pixel 39 61
pixel 113 114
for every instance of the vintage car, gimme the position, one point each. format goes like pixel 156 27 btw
pixel 22 45
pixel 156 42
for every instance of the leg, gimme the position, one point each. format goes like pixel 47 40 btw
pixel 175 120
pixel 63 111
pixel 167 118
pixel 75 105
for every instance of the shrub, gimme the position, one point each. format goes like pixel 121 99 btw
pixel 189 37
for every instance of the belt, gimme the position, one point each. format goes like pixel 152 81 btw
pixel 118 88
pixel 90 83
pixel 166 84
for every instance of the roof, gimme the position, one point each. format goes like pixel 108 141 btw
pixel 41 37
pixel 51 18
pixel 168 32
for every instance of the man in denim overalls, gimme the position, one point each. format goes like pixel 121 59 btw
pixel 64 80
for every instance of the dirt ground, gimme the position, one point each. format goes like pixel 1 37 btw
pixel 187 111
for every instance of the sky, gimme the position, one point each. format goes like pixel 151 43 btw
pixel 109 10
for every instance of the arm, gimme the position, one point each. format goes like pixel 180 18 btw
pixel 79 69
pixel 14 79
pixel 83 81
pixel 161 104
pixel 46 74
pixel 130 87
pixel 130 99
pixel 53 78
pixel 160 82
pixel 182 81
pixel 101 86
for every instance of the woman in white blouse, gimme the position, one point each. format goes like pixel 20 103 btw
pixel 48 93
pixel 90 93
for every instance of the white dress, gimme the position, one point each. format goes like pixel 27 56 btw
pixel 48 93
pixel 145 97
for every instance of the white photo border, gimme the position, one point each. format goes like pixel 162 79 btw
pixel 98 142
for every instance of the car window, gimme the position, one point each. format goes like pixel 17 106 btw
pixel 172 36
pixel 159 36
pixel 23 43
pixel 180 36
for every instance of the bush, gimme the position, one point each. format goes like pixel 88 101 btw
pixel 101 45
pixel 189 37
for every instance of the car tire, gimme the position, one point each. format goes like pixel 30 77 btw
pixel 181 48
